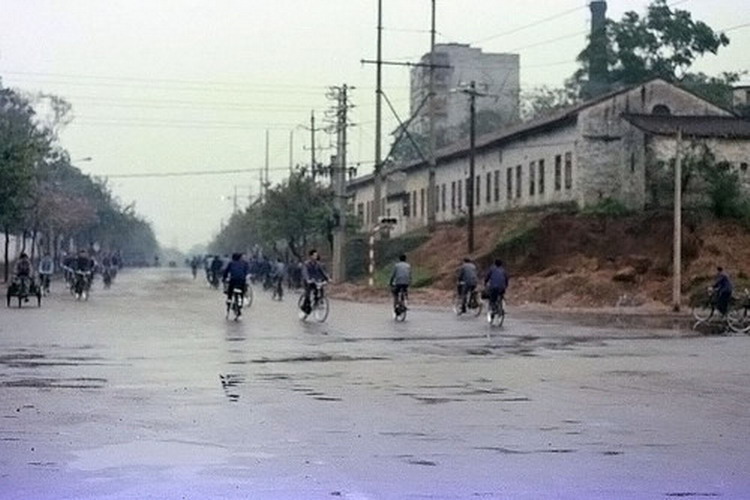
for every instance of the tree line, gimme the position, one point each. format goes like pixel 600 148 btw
pixel 45 200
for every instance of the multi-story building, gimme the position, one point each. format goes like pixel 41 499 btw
pixel 496 75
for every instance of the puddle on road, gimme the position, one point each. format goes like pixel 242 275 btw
pixel 149 454
pixel 319 358
pixel 53 383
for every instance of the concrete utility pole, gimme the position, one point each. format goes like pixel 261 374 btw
pixel 291 152
pixel 266 183
pixel 339 185
pixel 431 198
pixel 312 145
pixel 677 250
pixel 470 186
pixel 378 175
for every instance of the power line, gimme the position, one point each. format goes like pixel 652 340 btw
pixel 530 25
pixel 190 173
pixel 183 125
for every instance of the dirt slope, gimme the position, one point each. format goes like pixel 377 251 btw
pixel 589 260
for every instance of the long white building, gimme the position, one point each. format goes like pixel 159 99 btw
pixel 614 147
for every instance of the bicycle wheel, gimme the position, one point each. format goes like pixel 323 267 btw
pixel 457 303
pixel 739 321
pixel 302 314
pixel 703 312
pixel 399 312
pixel 237 306
pixel 320 311
pixel 477 309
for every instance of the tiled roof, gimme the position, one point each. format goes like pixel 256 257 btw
pixel 728 127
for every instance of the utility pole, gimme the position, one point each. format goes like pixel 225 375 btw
pixel 677 250
pixel 312 145
pixel 378 180
pixel 291 152
pixel 338 180
pixel 431 198
pixel 470 184
pixel 266 184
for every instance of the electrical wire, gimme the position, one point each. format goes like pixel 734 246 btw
pixel 530 25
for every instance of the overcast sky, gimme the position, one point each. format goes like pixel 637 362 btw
pixel 188 85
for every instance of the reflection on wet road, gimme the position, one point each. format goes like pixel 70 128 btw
pixel 147 392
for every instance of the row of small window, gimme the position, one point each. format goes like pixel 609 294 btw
pixel 459 190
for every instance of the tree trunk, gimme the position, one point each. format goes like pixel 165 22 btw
pixel 33 243
pixel 23 242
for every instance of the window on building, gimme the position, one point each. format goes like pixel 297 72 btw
pixel 460 191
pixel 568 170
pixel 488 188
pixel 478 190
pixel 541 176
pixel 519 179
pixel 509 184
pixel 421 202
pixel 632 163
pixel 743 167
pixel 407 207
pixel 467 185
pixel 414 202
pixel 532 178
pixel 442 197
pixel 361 213
pixel 453 196
pixel 662 110
pixel 497 186
pixel 558 173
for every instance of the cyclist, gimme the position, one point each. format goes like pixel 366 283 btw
pixel 279 273
pixel 22 272
pixel 467 281
pixel 496 283
pixel 46 268
pixel 214 271
pixel 722 290
pixel 235 275
pixel 312 275
pixel 84 265
pixel 400 280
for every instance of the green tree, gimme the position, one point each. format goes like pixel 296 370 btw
pixel 662 43
pixel 542 101
pixel 22 146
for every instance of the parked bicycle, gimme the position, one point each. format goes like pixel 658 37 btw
pixel 315 303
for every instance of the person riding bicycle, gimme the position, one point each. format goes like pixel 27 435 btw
pixel 22 273
pixel 723 290
pixel 279 274
pixel 312 275
pixel 467 281
pixel 235 275
pixel 46 269
pixel 496 283
pixel 400 280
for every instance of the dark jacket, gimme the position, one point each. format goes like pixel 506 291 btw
pixel 722 284
pixel 496 278
pixel 312 272
pixel 237 271
pixel 467 274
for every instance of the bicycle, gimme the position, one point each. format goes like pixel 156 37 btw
pixel 45 283
pixel 317 305
pixel 399 307
pixel 473 304
pixel 737 318
pixel 496 312
pixel 236 303
pixel 81 285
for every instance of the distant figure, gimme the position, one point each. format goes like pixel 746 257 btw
pixel 723 290
pixel 467 281
pixel 496 283
pixel 400 279
pixel 156 261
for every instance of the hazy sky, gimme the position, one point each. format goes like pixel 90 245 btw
pixel 187 85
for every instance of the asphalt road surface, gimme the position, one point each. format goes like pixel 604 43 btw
pixel 146 391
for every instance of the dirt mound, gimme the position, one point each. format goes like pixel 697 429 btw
pixel 589 260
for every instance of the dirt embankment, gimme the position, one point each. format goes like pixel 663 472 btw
pixel 585 261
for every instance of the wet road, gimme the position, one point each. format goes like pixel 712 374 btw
pixel 147 392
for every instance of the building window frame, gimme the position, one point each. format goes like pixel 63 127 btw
pixel 540 179
pixel 568 170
